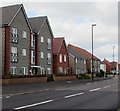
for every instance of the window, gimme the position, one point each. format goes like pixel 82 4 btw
pixel 84 61
pixel 65 71
pixel 24 70
pixel 48 70
pixel 60 69
pixel 42 39
pixel 65 58
pixel 14 55
pixel 32 40
pixel 14 38
pixel 49 58
pixel 42 55
pixel 49 43
pixel 24 53
pixel 24 34
pixel 60 57
pixel 42 71
pixel 14 50
pixel 76 60
pixel 13 70
pixel 32 57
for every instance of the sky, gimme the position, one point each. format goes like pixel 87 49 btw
pixel 73 20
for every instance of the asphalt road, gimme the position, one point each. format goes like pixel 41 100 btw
pixel 62 95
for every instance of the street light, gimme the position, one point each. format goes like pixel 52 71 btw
pixel 92 50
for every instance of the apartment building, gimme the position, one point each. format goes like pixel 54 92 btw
pixel 16 40
pixel 88 56
pixel 77 62
pixel 41 45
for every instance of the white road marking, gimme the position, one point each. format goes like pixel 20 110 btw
pixel 7 97
pixel 107 86
pixel 74 95
pixel 94 89
pixel 27 106
pixel 0 97
pixel 88 83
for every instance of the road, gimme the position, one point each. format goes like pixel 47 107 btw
pixel 67 95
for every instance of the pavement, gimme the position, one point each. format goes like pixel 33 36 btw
pixel 74 94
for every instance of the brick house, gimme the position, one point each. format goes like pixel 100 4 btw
pixel 108 65
pixel 16 38
pixel 88 56
pixel 41 46
pixel 114 66
pixel 60 56
pixel 77 62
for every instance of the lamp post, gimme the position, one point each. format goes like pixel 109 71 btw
pixel 92 50
pixel 113 61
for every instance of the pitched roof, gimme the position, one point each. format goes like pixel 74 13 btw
pixel 83 52
pixel 57 44
pixel 74 53
pixel 106 61
pixel 36 23
pixel 10 12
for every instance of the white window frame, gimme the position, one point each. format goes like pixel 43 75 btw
pixel 61 69
pixel 24 34
pixel 42 39
pixel 25 70
pixel 48 70
pixel 14 50
pixel 14 69
pixel 60 58
pixel 76 60
pixel 65 58
pixel 49 43
pixel 14 30
pixel 32 57
pixel 49 58
pixel 42 55
pixel 24 52
pixel 32 40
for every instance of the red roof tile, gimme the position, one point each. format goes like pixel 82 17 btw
pixel 57 43
pixel 83 52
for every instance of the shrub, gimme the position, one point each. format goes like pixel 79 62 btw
pixel 84 76
pixel 50 77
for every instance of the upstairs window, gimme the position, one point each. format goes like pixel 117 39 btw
pixel 24 34
pixel 76 60
pixel 14 55
pixel 49 58
pixel 14 35
pixel 60 58
pixel 24 52
pixel 32 57
pixel 65 58
pixel 49 43
pixel 32 40
pixel 42 55
pixel 42 39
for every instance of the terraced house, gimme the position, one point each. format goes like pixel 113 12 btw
pixel 41 46
pixel 16 40
pixel 88 56
pixel 60 56
pixel 77 62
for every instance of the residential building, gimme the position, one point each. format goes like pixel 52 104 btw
pixel 114 67
pixel 103 66
pixel 41 46
pixel 16 40
pixel 88 56
pixel 108 65
pixel 60 56
pixel 77 62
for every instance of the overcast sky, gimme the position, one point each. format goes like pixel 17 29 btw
pixel 73 21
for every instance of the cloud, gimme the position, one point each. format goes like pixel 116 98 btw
pixel 73 20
